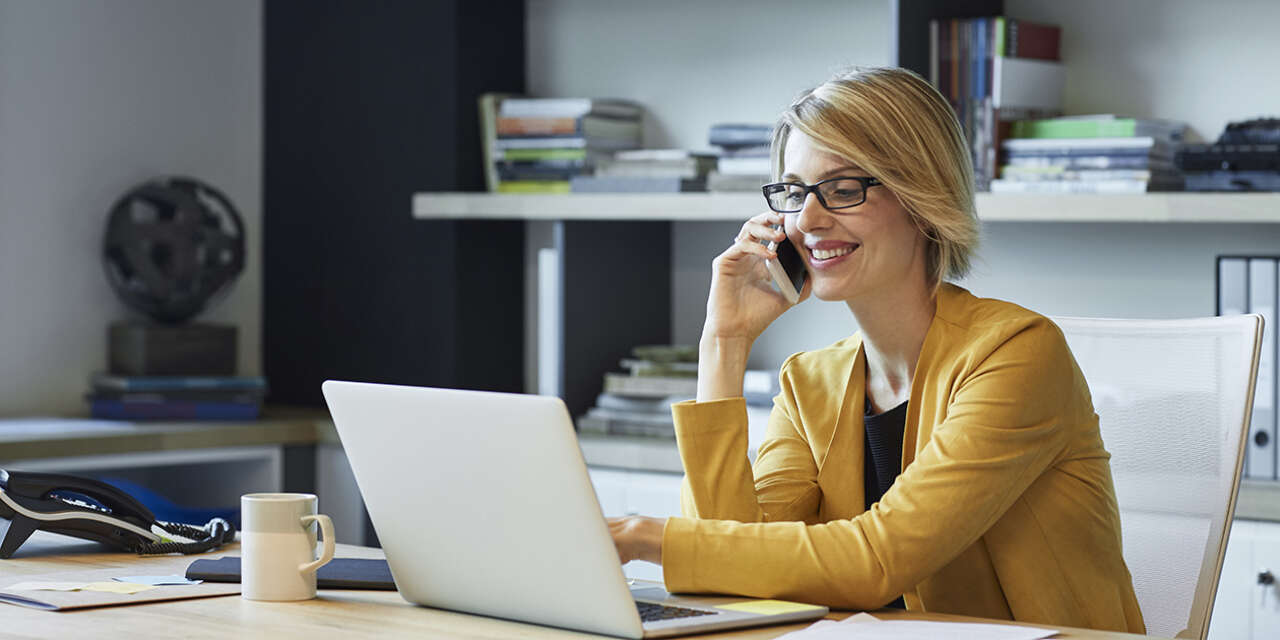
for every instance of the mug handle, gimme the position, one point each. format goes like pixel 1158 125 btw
pixel 326 529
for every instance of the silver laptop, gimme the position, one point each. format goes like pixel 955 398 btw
pixel 483 504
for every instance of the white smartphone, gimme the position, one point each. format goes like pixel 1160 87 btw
pixel 788 270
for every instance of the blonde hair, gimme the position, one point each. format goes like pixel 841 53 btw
pixel 898 128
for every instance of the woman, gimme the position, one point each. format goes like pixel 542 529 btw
pixel 999 501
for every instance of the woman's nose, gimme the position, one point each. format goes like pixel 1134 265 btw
pixel 813 216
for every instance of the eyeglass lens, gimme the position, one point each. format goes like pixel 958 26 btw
pixel 836 193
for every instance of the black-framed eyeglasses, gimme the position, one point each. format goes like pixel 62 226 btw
pixel 840 192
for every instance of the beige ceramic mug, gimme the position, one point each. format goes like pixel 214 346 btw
pixel 278 546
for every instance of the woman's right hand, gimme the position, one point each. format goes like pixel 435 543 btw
pixel 743 303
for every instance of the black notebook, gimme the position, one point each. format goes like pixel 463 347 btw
pixel 340 573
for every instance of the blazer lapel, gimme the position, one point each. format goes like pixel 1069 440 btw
pixel 840 466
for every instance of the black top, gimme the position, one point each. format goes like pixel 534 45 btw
pixel 883 456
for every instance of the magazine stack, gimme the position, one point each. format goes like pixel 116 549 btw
pixel 744 157
pixel 1091 154
pixel 537 145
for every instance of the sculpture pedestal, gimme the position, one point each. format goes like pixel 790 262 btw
pixel 142 349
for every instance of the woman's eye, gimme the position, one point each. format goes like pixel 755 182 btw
pixel 845 193
pixel 795 197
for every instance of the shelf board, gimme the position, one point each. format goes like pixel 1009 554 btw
pixel 1151 207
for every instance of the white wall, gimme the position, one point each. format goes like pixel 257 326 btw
pixel 1206 63
pixel 96 97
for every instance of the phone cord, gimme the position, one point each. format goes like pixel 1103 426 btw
pixel 211 536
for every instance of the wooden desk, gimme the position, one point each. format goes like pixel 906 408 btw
pixel 349 613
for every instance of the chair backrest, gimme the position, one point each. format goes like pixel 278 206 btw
pixel 1173 398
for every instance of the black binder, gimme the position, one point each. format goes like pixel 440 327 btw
pixel 339 573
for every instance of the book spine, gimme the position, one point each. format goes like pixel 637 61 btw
pixel 1079 144
pixel 539 127
pixel 540 143
pixel 116 410
pixel 955 61
pixel 1000 26
pixel 182 395
pixel 1012 36
pixel 1034 40
pixel 933 52
pixel 1071 128
pixel 650 387
pixel 1091 162
pixel 1070 186
pixel 510 172
pixel 541 155
pixel 175 383
pixel 488 107
pixel 545 107
pixel 533 186
pixel 740 135
pixel 1035 174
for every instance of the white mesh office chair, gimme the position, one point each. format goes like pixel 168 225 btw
pixel 1173 399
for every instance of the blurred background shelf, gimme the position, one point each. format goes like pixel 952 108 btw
pixel 1149 207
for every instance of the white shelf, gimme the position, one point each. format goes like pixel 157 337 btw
pixel 1152 207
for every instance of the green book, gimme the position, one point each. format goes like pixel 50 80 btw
pixel 1101 127
pixel 533 186
pixel 534 155
pixel 1000 40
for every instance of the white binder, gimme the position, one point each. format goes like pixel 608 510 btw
pixel 1262 432
pixel 1233 299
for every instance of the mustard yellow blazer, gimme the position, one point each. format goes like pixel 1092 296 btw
pixel 1004 508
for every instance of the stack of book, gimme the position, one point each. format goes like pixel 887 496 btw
pixel 995 71
pixel 744 163
pixel 638 402
pixel 536 145
pixel 117 397
pixel 647 171
pixel 1091 154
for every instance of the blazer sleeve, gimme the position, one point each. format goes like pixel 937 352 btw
pixel 1001 432
pixel 719 484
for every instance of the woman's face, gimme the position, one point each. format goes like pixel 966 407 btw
pixel 858 251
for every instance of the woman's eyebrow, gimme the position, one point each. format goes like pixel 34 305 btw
pixel 823 176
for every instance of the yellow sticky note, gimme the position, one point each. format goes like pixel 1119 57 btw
pixel 768 607
pixel 117 587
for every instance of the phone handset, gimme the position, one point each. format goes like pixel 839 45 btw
pixel 788 270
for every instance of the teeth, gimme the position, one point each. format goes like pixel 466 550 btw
pixel 824 254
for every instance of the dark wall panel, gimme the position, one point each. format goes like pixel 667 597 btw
pixel 367 103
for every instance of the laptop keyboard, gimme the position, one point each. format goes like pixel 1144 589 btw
pixel 651 612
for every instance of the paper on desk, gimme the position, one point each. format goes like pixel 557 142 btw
pixel 105 587
pixel 866 627
pixel 47 586
pixel 157 580
pixel 83 598
pixel 117 587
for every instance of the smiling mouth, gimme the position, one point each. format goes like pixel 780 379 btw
pixel 828 254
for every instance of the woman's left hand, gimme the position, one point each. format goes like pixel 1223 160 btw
pixel 638 538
